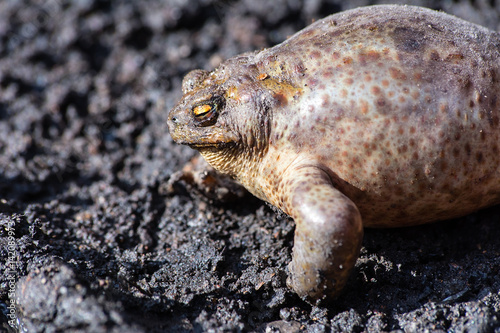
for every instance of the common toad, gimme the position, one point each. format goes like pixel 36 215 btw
pixel 382 116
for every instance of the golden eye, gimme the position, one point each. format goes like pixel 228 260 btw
pixel 205 114
pixel 201 110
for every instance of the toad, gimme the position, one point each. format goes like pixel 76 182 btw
pixel 382 116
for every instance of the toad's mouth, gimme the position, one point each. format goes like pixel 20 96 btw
pixel 204 146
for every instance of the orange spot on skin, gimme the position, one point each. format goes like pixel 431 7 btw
pixel 373 55
pixel 397 74
pixel 315 54
pixel 375 90
pixel 232 92
pixel 347 60
pixel 325 100
pixel 385 83
pixel 262 76
pixel 364 107
pixel 454 57
pixel 280 98
pixel 349 81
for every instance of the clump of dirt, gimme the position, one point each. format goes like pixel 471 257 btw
pixel 91 238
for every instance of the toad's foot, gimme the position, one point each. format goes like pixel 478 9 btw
pixel 198 176
pixel 328 234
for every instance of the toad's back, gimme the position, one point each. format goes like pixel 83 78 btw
pixel 403 112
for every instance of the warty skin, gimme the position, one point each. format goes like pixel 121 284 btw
pixel 382 116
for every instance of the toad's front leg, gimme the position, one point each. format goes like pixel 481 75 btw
pixel 328 233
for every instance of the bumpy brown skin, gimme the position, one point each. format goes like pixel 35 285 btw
pixel 381 116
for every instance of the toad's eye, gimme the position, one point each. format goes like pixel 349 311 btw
pixel 201 111
pixel 206 114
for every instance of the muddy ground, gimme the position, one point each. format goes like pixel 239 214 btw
pixel 104 239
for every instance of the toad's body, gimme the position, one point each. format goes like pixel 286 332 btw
pixel 382 116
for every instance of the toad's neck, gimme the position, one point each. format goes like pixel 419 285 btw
pixel 242 164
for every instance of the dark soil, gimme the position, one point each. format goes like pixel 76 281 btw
pixel 102 244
